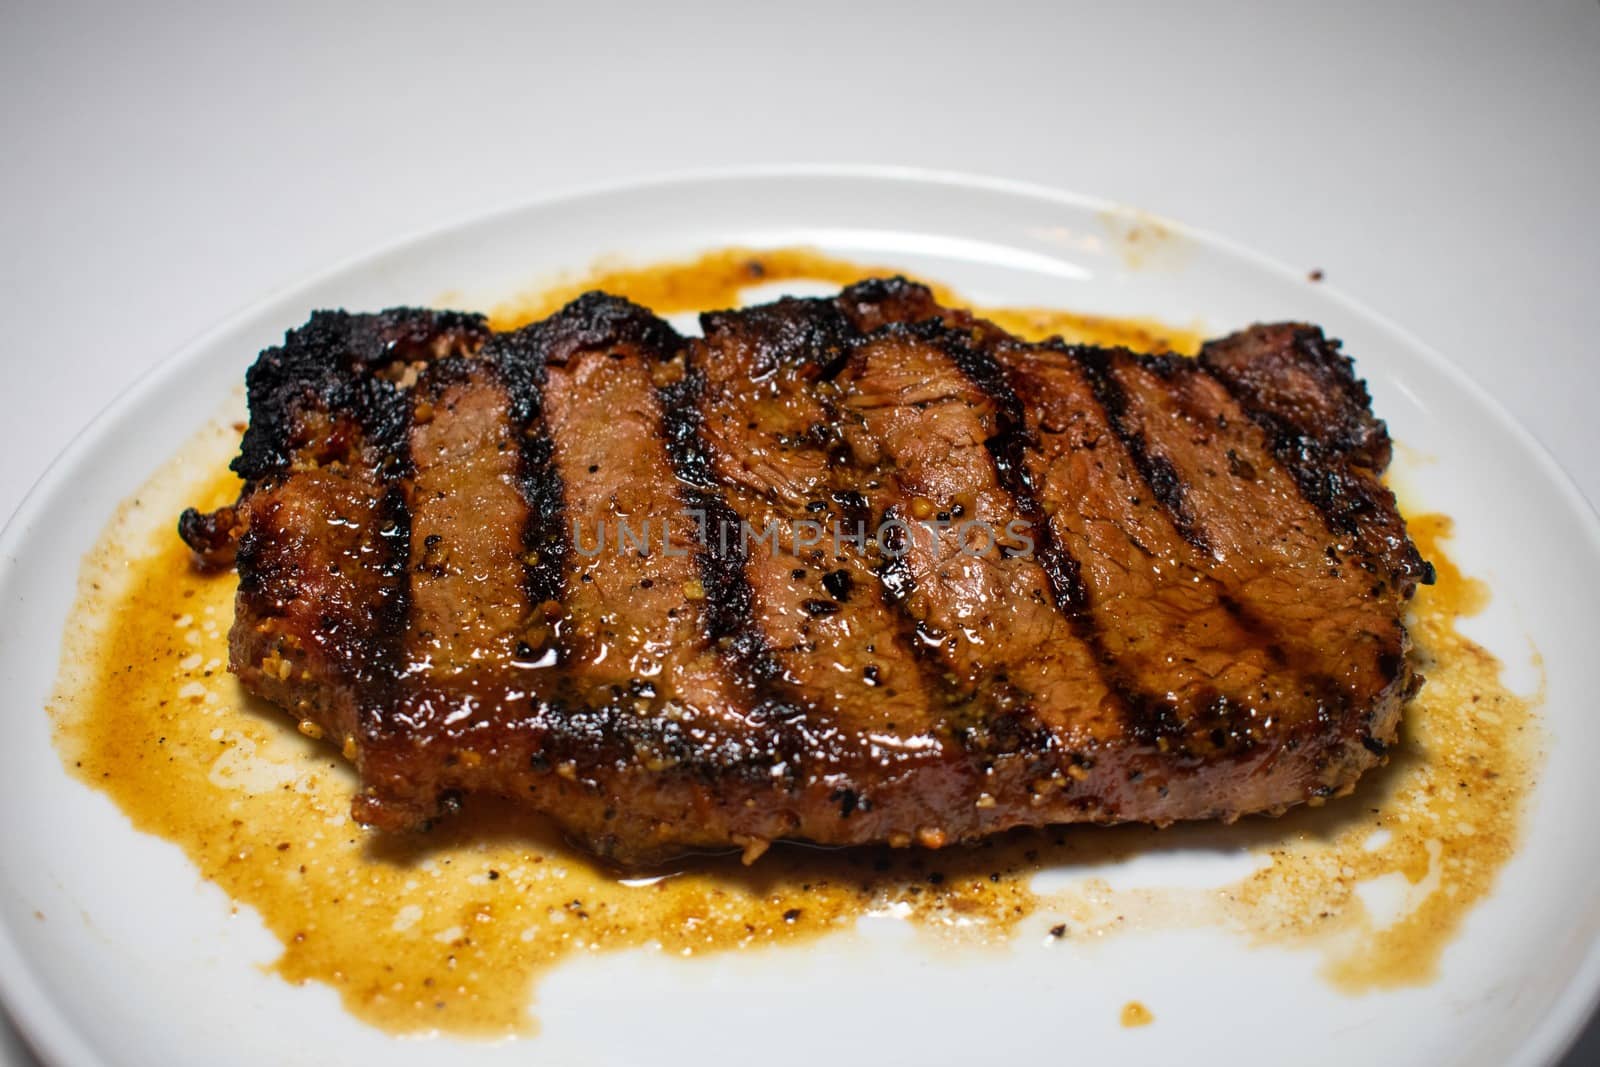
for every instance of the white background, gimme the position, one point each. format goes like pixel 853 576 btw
pixel 162 167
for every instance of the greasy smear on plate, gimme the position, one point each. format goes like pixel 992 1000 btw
pixel 448 931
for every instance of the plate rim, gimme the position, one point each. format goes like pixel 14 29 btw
pixel 39 1018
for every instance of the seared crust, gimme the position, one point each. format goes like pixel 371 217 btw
pixel 1191 606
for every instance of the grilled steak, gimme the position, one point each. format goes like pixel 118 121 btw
pixel 850 570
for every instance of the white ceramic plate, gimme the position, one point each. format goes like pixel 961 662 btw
pixel 142 962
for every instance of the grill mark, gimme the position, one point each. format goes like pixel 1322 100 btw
pixel 519 362
pixel 1296 662
pixel 1006 450
pixel 384 414
pixel 1253 624
pixel 594 320
pixel 1149 717
pixel 729 599
pixel 896 584
pixel 394 611
pixel 1305 460
pixel 1308 463
pixel 1156 470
